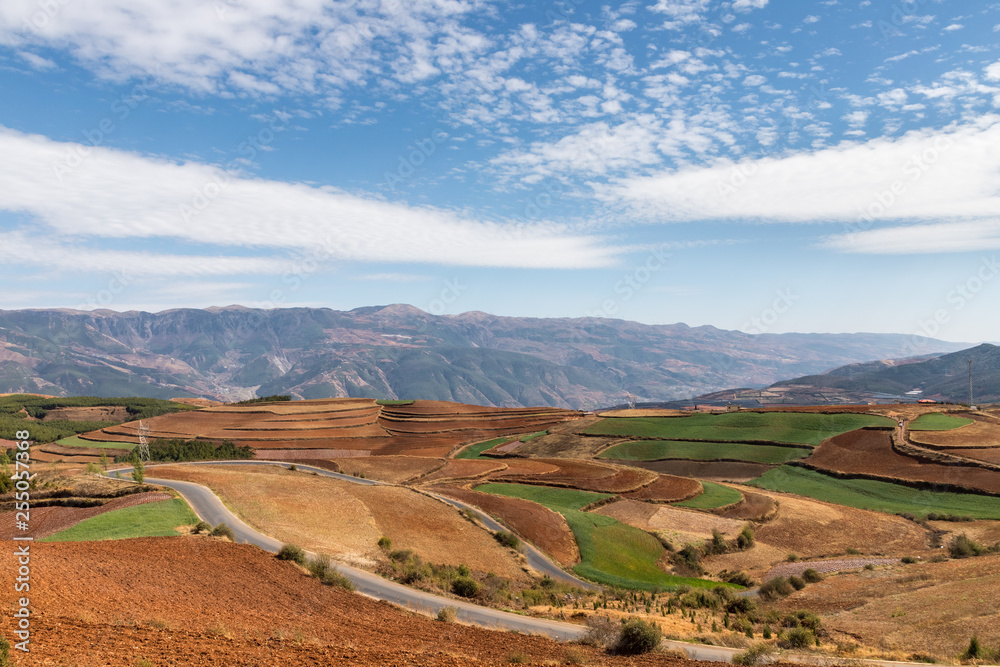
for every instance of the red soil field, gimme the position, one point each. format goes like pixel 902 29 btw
pixel 667 489
pixel 544 528
pixel 47 521
pixel 987 454
pixel 870 452
pixel 464 469
pixel 201 602
pixel 753 507
pixel 427 428
pixel 528 467
pixel 585 475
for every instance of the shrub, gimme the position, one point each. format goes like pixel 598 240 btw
pixel 791 558
pixel 465 587
pixel 775 588
pixel 745 540
pixel 744 606
pixel 574 656
pixel 717 545
pixel 963 547
pixel 319 565
pixel 222 530
pixel 738 578
pixel 463 570
pixel 909 560
pixel 637 637
pixel 509 540
pixel 767 632
pixel 384 543
pixel 755 655
pixel 138 471
pixel 4 652
pixel 799 638
pixel 292 552
pixel 601 632
pixel 202 527
pixel 401 555
pixel 517 658
pixel 91 469
pixel 689 557
pixel 332 577
pixel 447 614
pixel 796 582
pixel 975 650
pixel 853 552
pixel 812 576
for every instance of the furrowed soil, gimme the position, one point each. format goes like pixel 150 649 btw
pixel 679 526
pixel 464 469
pixel 346 520
pixel 871 452
pixel 715 471
pixel 814 529
pixel 47 521
pixel 201 602
pixel 930 608
pixel 544 528
pixel 393 469
pixel 667 489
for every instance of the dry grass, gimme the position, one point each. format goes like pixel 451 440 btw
pixel 680 526
pixel 977 434
pixel 392 469
pixel 931 608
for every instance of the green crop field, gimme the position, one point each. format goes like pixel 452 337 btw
pixel 611 552
pixel 654 450
pixel 148 520
pixel 936 421
pixel 715 495
pixel 799 428
pixel 75 441
pixel 475 451
pixel 875 495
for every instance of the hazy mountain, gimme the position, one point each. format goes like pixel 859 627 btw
pixel 401 352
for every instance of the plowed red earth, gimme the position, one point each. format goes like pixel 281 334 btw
pixel 753 507
pixel 198 602
pixel 45 521
pixel 584 475
pixel 870 452
pixel 544 528
pixel 425 428
pixel 464 469
pixel 667 489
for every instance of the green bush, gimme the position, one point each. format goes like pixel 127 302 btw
pixel 738 578
pixel 796 582
pixel 447 614
pixel 465 587
pixel 975 651
pixel 799 638
pixel 331 577
pixel 319 565
pixel 909 560
pixel 509 540
pixel 812 576
pixel 638 637
pixel 791 558
pixel 384 543
pixel 964 547
pixel 222 530
pixel 292 552
pixel 775 588
pixel 401 555
pixel 745 540
pixel 202 527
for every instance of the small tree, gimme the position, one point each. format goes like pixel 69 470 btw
pixel 138 471
pixel 637 637
pixel 104 460
pixel 745 540
pixel 975 650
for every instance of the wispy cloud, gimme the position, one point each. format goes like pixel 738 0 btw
pixel 119 195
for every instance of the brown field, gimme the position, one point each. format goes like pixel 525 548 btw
pixel 200 602
pixel 392 469
pixel 680 526
pixel 870 452
pixel 586 475
pixel 97 413
pixel 47 521
pixel 984 454
pixel 930 608
pixel 753 507
pixel 464 469
pixel 814 529
pixel 978 434
pixel 667 489
pixel 716 471
pixel 346 520
pixel 987 533
pixel 425 428
pixel 544 528
pixel 528 467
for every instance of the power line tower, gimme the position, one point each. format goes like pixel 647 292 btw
pixel 143 442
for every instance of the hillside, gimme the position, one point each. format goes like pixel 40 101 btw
pixel 402 352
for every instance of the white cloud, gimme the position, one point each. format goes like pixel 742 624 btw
pixel 249 46
pixel 754 80
pixel 922 176
pixel 747 5
pixel 118 195
pixel 953 27
pixel 811 19
pixel 967 236
pixel 36 62
pixel 993 71
pixel 393 277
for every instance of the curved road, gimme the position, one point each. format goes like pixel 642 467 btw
pixel 210 509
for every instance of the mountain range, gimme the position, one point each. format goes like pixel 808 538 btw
pixel 399 351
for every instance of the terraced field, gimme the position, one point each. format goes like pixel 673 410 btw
pixel 936 421
pixel 714 496
pixel 658 450
pixel 802 428
pixel 331 428
pixel 877 495
pixel 611 552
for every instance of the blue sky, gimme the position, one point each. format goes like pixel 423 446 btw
pixel 759 165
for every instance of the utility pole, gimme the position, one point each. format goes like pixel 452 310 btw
pixel 971 403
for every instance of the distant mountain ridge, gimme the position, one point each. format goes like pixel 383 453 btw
pixel 399 351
